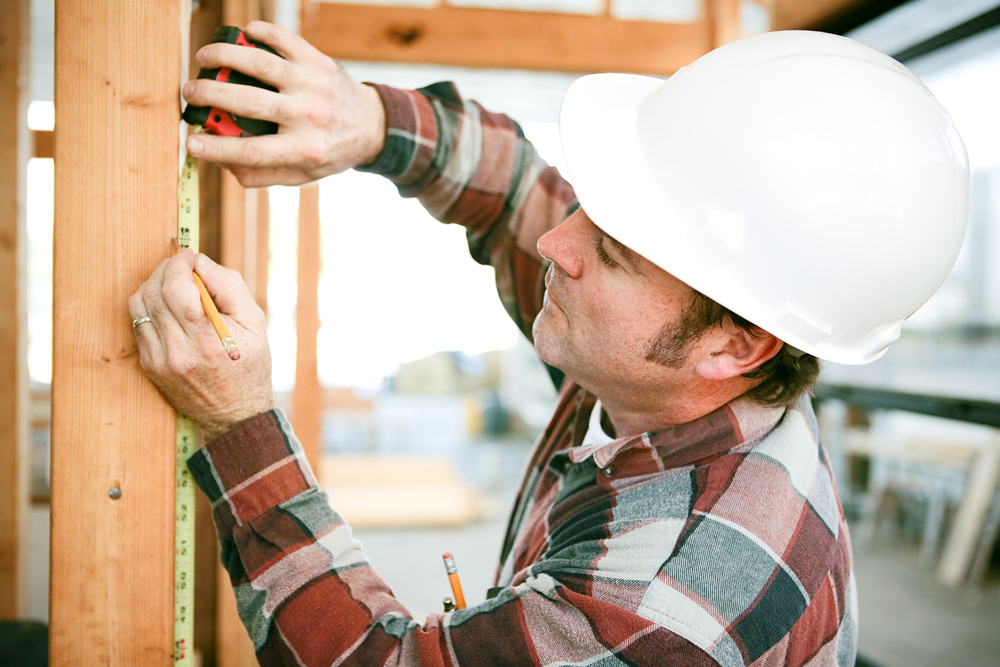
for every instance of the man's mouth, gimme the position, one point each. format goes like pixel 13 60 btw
pixel 549 279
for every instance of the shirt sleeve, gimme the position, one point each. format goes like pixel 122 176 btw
pixel 475 168
pixel 308 596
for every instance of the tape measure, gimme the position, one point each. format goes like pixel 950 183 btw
pixel 220 121
pixel 187 236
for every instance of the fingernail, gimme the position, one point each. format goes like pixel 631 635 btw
pixel 200 56
pixel 204 262
pixel 195 145
pixel 188 87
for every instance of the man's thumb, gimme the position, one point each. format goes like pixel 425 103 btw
pixel 225 286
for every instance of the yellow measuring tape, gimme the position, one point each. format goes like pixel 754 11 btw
pixel 187 236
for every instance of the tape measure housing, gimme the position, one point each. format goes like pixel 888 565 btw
pixel 220 121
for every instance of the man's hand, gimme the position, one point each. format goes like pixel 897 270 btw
pixel 181 353
pixel 327 123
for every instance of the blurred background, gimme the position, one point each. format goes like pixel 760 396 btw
pixel 428 398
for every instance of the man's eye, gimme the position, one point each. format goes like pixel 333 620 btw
pixel 603 254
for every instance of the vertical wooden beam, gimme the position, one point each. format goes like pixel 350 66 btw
pixel 725 16
pixel 233 214
pixel 206 17
pixel 967 526
pixel 233 647
pixel 117 75
pixel 307 397
pixel 14 455
pixel 263 250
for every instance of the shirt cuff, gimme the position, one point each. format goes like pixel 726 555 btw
pixel 406 111
pixel 252 468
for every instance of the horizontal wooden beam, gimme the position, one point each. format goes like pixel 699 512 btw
pixel 504 39
pixel 43 143
pixel 803 14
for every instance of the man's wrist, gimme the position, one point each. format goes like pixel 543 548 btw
pixel 377 125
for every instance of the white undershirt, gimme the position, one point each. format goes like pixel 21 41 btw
pixel 595 432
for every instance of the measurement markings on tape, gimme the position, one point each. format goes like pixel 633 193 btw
pixel 187 236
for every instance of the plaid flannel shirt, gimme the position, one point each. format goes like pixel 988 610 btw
pixel 720 541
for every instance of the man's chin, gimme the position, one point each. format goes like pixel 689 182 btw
pixel 547 346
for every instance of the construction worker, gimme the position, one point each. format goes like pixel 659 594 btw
pixel 786 198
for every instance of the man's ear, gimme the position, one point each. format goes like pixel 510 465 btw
pixel 732 351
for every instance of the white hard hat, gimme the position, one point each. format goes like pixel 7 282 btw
pixel 805 181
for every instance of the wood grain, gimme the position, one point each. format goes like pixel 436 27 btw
pixel 233 219
pixel 307 397
pixel 117 74
pixel 14 455
pixel 502 38
pixel 262 253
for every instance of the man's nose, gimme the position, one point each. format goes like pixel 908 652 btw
pixel 562 245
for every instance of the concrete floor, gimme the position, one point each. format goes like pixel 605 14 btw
pixel 909 620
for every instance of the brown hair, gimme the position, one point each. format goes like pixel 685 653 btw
pixel 785 376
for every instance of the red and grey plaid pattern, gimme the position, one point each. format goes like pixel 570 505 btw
pixel 720 541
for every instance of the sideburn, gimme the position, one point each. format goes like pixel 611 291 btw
pixel 672 345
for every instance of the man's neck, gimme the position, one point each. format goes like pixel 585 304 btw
pixel 632 415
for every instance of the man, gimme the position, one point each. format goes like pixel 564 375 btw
pixel 786 197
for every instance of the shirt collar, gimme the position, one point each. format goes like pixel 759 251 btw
pixel 740 423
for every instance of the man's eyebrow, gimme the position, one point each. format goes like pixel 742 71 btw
pixel 630 257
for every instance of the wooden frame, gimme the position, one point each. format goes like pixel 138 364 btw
pixel 115 212
pixel 538 40
pixel 14 454
pixel 308 394
pixel 499 38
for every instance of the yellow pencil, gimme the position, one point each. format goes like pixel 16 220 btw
pixel 456 585
pixel 216 318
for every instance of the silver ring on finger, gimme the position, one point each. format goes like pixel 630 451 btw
pixel 139 321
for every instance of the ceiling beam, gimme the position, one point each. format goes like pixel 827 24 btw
pixel 503 39
pixel 812 14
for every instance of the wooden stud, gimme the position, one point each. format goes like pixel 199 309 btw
pixel 502 38
pixel 239 234
pixel 14 454
pixel 243 240
pixel 262 253
pixel 233 218
pixel 725 22
pixel 233 647
pixel 111 585
pixel 307 397
pixel 206 17
pixel 967 526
